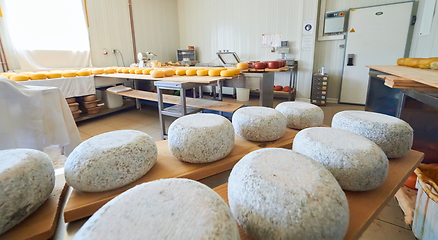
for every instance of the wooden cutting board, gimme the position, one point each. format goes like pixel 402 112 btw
pixel 82 204
pixel 425 76
pixel 365 206
pixel 42 223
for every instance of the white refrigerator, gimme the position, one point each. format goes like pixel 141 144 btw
pixel 376 35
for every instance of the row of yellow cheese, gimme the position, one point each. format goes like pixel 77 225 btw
pixel 25 76
pixel 425 63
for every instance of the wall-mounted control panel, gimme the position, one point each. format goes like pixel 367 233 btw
pixel 334 22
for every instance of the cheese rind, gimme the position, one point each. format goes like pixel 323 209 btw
pixel 392 134
pixel 356 162
pixel 301 115
pixel 201 138
pixel 259 123
pixel 163 209
pixel 27 179
pixel 280 194
pixel 110 160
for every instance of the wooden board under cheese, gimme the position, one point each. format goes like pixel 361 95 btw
pixel 425 76
pixel 82 204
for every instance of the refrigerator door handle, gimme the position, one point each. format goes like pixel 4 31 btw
pixel 350 59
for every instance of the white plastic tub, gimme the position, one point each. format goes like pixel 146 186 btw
pixel 425 225
pixel 242 94
pixel 112 100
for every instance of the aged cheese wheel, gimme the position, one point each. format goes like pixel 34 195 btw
pixel 147 71
pixel 278 88
pixel 242 66
pixel 434 65
pixel 109 70
pixel 163 209
pixel 69 74
pixel 301 115
pixel 181 72
pixel 227 73
pixel 412 62
pixel 202 72
pixel 138 71
pixel 401 61
pixel 201 138
pixel 157 73
pixel 393 135
pixel 27 179
pixel 259 123
pixel 83 73
pixel 214 72
pixel 236 71
pixel 110 160
pixel 356 162
pixel 54 75
pixel 38 76
pixel 169 72
pixel 280 194
pixel 19 77
pixel 191 72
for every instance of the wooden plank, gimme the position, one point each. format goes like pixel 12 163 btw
pixel 175 78
pixel 408 85
pixel 42 223
pixel 82 204
pixel 425 76
pixel 365 206
pixel 192 102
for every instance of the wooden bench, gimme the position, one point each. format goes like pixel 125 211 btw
pixel 191 102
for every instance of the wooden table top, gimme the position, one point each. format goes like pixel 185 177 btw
pixel 425 76
pixel 175 78
pixel 365 206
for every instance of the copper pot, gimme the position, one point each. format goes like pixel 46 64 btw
pixel 273 64
pixel 260 65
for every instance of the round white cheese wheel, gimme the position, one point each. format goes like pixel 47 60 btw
pixel 356 162
pixel 163 209
pixel 110 160
pixel 392 134
pixel 259 123
pixel 201 138
pixel 27 179
pixel 301 115
pixel 280 194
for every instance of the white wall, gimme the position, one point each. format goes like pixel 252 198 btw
pixel 238 26
pixel 425 46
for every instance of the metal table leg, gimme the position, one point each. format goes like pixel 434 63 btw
pixel 160 109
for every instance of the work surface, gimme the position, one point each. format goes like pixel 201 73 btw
pixel 365 206
pixel 175 78
pixel 425 76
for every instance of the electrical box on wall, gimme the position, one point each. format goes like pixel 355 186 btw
pixel 334 22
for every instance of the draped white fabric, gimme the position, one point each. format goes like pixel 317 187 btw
pixel 48 34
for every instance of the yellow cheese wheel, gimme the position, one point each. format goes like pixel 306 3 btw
pixel 434 65
pixel 132 70
pixel 38 76
pixel 227 73
pixel 83 73
pixel 215 72
pixel 19 77
pixel 109 70
pixel 191 72
pixel 169 72
pixel 8 74
pixel 425 63
pixel 412 62
pixel 54 75
pixel 120 70
pixel 26 73
pixel 138 71
pixel 401 61
pixel 181 72
pixel 235 70
pixel 202 72
pixel 147 71
pixel 134 67
pixel 125 70
pixel 242 65
pixel 157 73
pixel 69 74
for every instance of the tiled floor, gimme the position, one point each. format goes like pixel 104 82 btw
pixel 388 225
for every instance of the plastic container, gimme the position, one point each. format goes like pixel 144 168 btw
pixel 426 207
pixel 242 94
pixel 112 100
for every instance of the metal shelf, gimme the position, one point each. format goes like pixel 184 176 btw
pixel 104 111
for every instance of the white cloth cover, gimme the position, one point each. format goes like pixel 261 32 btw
pixel 70 87
pixel 35 117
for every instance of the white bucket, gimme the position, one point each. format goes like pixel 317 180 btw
pixel 112 100
pixel 242 94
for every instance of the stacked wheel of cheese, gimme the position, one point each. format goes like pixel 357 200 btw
pixel 163 209
pixel 110 160
pixel 27 179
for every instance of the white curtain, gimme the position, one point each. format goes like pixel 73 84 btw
pixel 48 34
